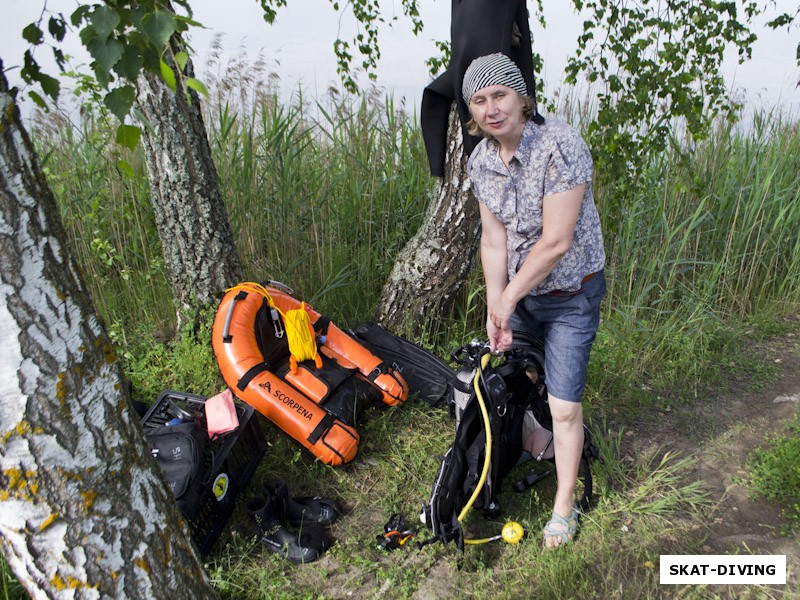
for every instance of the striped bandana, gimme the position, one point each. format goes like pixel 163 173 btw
pixel 492 69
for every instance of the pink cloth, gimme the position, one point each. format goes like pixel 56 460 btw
pixel 221 415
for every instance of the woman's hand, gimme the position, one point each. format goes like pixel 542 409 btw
pixel 499 339
pixel 498 327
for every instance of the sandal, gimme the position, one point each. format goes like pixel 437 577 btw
pixel 566 535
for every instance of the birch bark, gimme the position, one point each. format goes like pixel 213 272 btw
pixel 84 511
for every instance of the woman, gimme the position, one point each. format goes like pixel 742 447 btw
pixel 541 250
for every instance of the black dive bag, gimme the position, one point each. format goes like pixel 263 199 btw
pixel 179 449
pixel 508 392
pixel 429 378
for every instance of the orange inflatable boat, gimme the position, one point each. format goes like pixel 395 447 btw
pixel 298 369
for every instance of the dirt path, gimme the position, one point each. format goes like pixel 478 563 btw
pixel 744 523
pixel 722 433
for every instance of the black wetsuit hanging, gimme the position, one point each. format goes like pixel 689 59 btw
pixel 477 28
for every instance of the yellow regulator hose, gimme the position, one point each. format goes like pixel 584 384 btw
pixel 512 532
pixel 488 428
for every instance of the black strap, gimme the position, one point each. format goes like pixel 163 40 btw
pixel 428 542
pixel 465 387
pixel 383 369
pixel 321 326
pixel 378 371
pixel 324 425
pixel 529 481
pixel 251 373
pixel 588 493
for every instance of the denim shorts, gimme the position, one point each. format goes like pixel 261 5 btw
pixel 567 326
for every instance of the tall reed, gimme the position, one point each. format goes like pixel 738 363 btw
pixel 322 201
pixel 108 218
pixel 709 238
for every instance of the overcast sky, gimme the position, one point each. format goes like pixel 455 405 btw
pixel 299 46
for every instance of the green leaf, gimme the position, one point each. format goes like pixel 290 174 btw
pixel 168 75
pixel 103 77
pixel 103 20
pixel 50 85
pixel 128 136
pixel 181 59
pixel 197 85
pixel 185 4
pixel 30 69
pixel 57 28
pixel 33 34
pixel 120 100
pixel 125 168
pixel 77 17
pixel 269 7
pixel 130 65
pixel 59 57
pixel 106 52
pixel 87 35
pixel 158 26
pixel 125 13
pixel 152 59
pixel 38 100
pixel 190 22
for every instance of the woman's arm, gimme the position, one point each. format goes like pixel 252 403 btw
pixel 494 259
pixel 559 215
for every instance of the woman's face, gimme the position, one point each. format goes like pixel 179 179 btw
pixel 498 111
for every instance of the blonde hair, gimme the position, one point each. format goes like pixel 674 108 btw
pixel 528 112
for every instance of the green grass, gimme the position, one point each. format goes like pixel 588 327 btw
pixel 9 586
pixel 184 364
pixel 642 503
pixel 775 471
pixel 707 245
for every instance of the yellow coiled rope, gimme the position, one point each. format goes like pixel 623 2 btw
pixel 296 322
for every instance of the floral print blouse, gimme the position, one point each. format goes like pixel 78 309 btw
pixel 550 158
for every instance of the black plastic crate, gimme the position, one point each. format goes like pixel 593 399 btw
pixel 236 457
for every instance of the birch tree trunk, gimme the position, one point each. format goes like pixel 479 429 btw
pixel 196 239
pixel 433 266
pixel 84 511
